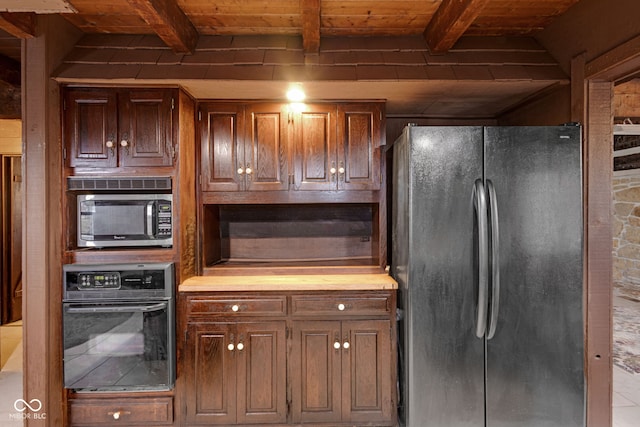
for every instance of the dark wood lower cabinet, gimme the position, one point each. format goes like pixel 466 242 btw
pixel 319 358
pixel 237 373
pixel 341 371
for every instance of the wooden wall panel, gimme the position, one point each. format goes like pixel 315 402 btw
pixel 10 136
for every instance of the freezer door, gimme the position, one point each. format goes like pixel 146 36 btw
pixel 442 361
pixel 535 374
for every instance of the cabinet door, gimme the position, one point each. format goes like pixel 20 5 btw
pixel 211 373
pixel 366 371
pixel 314 142
pixel 266 166
pixel 145 137
pixel 91 127
pixel 359 140
pixel 315 372
pixel 261 354
pixel 221 141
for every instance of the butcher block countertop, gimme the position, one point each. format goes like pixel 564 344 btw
pixel 290 282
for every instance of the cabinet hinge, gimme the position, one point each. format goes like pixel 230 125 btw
pixel 173 103
pixel 199 116
pixel 64 154
pixel 64 104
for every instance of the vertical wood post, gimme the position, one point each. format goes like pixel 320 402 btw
pixel 42 225
pixel 598 237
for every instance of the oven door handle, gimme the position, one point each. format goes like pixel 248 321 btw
pixel 140 308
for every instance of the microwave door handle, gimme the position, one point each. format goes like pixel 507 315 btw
pixel 143 308
pixel 150 231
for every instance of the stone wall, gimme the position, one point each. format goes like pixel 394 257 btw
pixel 626 235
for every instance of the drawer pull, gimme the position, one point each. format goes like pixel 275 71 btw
pixel 116 415
pixel 235 307
pixel 341 307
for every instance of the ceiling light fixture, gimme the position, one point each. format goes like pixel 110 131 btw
pixel 295 94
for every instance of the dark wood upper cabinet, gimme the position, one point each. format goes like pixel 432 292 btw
pixel 359 141
pixel 222 146
pixel 91 127
pixel 243 147
pixel 314 148
pixel 146 128
pixel 109 128
pixel 266 163
pixel 274 146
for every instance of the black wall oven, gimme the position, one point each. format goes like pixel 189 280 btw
pixel 119 327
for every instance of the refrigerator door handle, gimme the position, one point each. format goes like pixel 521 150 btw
pixel 480 209
pixel 495 259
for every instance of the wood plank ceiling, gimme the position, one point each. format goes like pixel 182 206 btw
pixel 180 24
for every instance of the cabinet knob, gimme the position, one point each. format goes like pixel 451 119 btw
pixel 240 171
pixel 341 307
pixel 235 307
pixel 109 144
pixel 333 171
pixel 116 415
pixel 248 170
pixel 346 345
pixel 336 345
pixel 230 347
pixel 124 143
pixel 240 346
pixel 341 170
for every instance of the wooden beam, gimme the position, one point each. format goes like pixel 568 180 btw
pixel 450 21
pixel 21 25
pixel 169 22
pixel 310 25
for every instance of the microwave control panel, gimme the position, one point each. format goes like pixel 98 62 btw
pixel 164 219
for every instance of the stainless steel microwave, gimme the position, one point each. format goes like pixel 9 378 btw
pixel 107 220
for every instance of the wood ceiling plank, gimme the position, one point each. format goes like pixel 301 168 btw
pixel 169 22
pixel 310 10
pixel 239 7
pixel 21 25
pixel 397 23
pixel 450 21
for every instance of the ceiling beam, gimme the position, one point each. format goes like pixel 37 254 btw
pixel 21 25
pixel 450 21
pixel 169 22
pixel 310 26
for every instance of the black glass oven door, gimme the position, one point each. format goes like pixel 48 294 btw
pixel 119 346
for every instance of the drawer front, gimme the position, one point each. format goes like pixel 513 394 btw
pixel 131 411
pixel 238 306
pixel 356 305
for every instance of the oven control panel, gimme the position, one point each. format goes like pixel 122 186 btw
pixel 109 280
pixel 118 281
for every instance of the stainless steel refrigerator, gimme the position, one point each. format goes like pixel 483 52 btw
pixel 487 250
